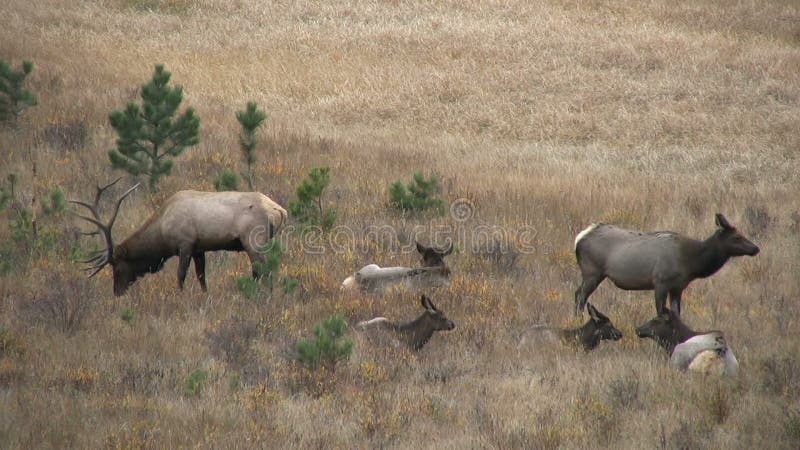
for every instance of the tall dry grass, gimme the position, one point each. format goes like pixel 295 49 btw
pixel 544 115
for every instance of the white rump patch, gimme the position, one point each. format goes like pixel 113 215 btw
pixel 349 282
pixel 583 234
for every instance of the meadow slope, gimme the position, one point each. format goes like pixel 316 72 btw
pixel 543 117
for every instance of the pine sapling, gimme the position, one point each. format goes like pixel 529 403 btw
pixel 14 98
pixel 419 195
pixel 250 119
pixel 150 136
pixel 308 209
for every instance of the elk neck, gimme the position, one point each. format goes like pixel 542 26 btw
pixel 703 258
pixel 583 336
pixel 415 333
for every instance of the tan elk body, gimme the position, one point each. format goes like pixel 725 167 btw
pixel 375 279
pixel 188 224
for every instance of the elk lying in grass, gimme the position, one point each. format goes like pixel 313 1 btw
pixel 588 337
pixel 434 272
pixel 189 224
pixel 665 262
pixel 416 333
pixel 699 351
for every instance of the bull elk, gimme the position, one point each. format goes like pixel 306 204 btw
pixel 597 328
pixel 434 272
pixel 188 224
pixel 698 351
pixel 663 261
pixel 417 333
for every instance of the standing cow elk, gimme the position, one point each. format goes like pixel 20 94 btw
pixel 189 224
pixel 416 333
pixel 588 337
pixel 664 261
pixel 699 351
pixel 434 272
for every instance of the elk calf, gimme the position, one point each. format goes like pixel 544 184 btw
pixel 699 351
pixel 434 272
pixel 664 262
pixel 189 224
pixel 588 337
pixel 417 333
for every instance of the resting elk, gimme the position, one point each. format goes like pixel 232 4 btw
pixel 434 272
pixel 597 328
pixel 698 351
pixel 417 333
pixel 188 224
pixel 664 261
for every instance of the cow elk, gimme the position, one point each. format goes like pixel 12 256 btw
pixel 588 337
pixel 434 272
pixel 414 334
pixel 698 351
pixel 188 224
pixel 664 261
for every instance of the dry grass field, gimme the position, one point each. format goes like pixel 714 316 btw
pixel 545 116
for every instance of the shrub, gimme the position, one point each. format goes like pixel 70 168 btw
pixel 9 344
pixel 67 136
pixel 267 273
pixel 308 208
pixel 250 119
pixel 328 346
pixel 419 195
pixel 54 204
pixel 14 98
pixel 194 383
pixel 63 304
pixel 226 181
pixel 128 316
pixel 148 136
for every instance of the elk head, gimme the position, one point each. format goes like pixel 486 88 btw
pixel 123 275
pixel 601 326
pixel 434 318
pixel 433 257
pixel 733 242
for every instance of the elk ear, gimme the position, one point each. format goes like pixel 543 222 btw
pixel 428 304
pixel 420 248
pixel 594 313
pixel 722 222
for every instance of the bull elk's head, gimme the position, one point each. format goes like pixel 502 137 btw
pixel 104 257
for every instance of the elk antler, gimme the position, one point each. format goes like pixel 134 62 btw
pixel 101 258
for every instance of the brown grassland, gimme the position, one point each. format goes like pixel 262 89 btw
pixel 546 116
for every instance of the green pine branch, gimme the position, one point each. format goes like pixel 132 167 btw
pixel 150 136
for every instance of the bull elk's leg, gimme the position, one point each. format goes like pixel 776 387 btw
pixel 256 258
pixel 587 287
pixel 185 257
pixel 200 269
pixel 675 300
pixel 661 298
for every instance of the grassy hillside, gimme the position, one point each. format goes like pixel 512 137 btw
pixel 543 117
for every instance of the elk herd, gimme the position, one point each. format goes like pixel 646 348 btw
pixel 190 223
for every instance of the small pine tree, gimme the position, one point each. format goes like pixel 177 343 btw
pixel 308 208
pixel 226 181
pixel 14 98
pixel 148 136
pixel 55 205
pixel 250 119
pixel 419 195
pixel 194 383
pixel 328 346
pixel 268 272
